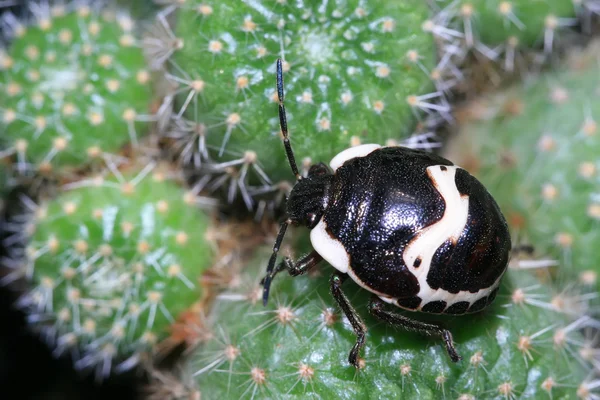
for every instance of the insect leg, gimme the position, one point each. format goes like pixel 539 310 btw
pixel 336 281
pixel 523 248
pixel 376 307
pixel 266 281
pixel 299 267
pixel 294 268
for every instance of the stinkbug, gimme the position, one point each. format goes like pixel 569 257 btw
pixel 409 226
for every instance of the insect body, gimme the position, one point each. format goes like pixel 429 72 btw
pixel 409 226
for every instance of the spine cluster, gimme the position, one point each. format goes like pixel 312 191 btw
pixel 546 180
pixel 355 72
pixel 73 86
pixel 530 343
pixel 113 263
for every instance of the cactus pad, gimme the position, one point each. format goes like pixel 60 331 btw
pixel 521 347
pixel 355 71
pixel 518 21
pixel 113 263
pixel 537 148
pixel 73 86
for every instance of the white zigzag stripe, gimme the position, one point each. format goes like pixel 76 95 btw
pixel 450 226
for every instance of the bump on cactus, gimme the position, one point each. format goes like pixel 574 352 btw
pixel 524 346
pixel 510 23
pixel 536 148
pixel 112 263
pixel 355 71
pixel 73 86
pixel 484 43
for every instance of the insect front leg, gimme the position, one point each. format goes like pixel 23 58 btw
pixel 301 266
pixel 294 268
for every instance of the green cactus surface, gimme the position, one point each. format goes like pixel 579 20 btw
pixel 73 85
pixel 354 72
pixel 537 149
pixel 523 347
pixel 521 22
pixel 142 10
pixel 114 262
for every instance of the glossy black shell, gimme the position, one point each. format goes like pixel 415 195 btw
pixel 380 202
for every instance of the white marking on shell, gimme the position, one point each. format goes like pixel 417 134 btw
pixel 450 226
pixel 463 295
pixel 352 152
pixel 389 300
pixel 330 249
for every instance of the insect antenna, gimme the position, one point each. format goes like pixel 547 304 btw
pixel 283 121
pixel 269 277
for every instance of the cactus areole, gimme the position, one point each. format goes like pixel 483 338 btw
pixel 409 226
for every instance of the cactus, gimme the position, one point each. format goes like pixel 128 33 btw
pixel 73 86
pixel 537 147
pixel 483 44
pixel 355 71
pixel 113 262
pixel 140 10
pixel 515 23
pixel 526 345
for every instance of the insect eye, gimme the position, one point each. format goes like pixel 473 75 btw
pixel 318 170
pixel 311 219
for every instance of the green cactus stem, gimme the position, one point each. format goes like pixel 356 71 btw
pixel 113 262
pixel 74 86
pixel 537 148
pixel 355 72
pixel 525 346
